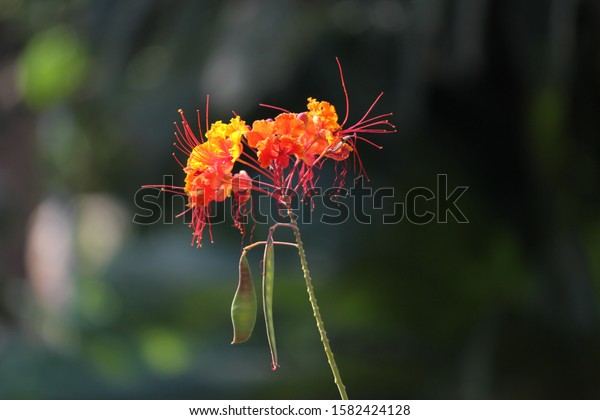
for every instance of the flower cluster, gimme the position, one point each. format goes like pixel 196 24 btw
pixel 285 150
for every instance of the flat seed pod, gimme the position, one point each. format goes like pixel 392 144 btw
pixel 243 307
pixel 268 281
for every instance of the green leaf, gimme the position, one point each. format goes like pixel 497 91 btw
pixel 268 281
pixel 243 307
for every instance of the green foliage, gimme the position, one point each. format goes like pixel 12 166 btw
pixel 164 351
pixel 52 67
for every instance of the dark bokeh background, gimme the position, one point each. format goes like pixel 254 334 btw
pixel 503 96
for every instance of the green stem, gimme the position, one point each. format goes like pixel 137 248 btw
pixel 317 314
pixel 255 244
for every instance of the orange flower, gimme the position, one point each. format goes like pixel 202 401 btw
pixel 323 115
pixel 209 165
pixel 276 140
pixel 321 132
pixel 308 137
pixel 261 131
pixel 209 168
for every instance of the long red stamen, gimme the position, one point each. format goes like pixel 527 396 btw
pixel 184 212
pixel 256 168
pixel 206 112
pixel 200 125
pixel 275 107
pixel 164 188
pixel 360 165
pixel 372 122
pixel 190 136
pixel 345 92
pixel 290 176
pixel 184 140
pixel 368 142
pixel 181 149
pixel 370 108
pixel 177 160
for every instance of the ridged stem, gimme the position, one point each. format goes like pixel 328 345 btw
pixel 315 307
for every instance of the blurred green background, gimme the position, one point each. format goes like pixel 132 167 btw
pixel 501 95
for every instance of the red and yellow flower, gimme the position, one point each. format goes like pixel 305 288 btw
pixel 286 151
pixel 209 167
pixel 210 164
